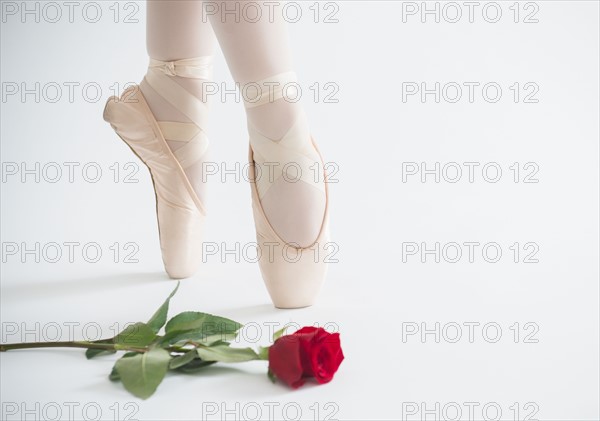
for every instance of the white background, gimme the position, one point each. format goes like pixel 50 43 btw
pixel 371 295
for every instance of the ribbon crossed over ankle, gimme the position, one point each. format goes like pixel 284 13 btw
pixel 191 138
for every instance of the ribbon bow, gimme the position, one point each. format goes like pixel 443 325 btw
pixel 169 68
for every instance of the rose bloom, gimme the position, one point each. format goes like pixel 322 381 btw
pixel 309 352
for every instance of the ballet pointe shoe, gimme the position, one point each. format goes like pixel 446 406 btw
pixel 293 275
pixel 180 214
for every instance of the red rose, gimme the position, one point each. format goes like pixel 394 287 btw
pixel 309 352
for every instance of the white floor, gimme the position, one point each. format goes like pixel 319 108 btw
pixel 469 340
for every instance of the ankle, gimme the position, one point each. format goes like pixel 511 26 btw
pixel 272 106
pixel 191 74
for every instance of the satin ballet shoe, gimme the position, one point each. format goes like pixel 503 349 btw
pixel 180 213
pixel 293 275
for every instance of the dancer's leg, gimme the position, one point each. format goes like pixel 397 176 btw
pixel 175 31
pixel 169 108
pixel 255 52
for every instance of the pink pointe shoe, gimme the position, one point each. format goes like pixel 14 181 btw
pixel 180 213
pixel 293 275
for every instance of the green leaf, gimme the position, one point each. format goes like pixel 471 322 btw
pixel 137 335
pixel 159 318
pixel 226 354
pixel 196 335
pixel 114 375
pixel 183 359
pixel 218 337
pixel 271 376
pixel 142 373
pixel 91 353
pixel 263 353
pixel 195 365
pixel 203 322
